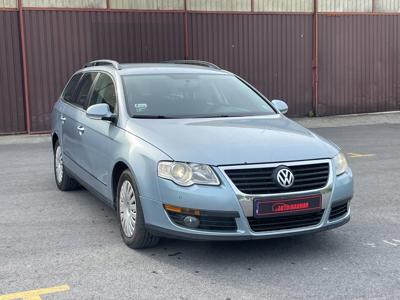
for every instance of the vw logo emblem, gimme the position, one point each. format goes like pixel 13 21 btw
pixel 284 177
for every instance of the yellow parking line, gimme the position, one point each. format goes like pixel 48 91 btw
pixel 35 294
pixel 354 155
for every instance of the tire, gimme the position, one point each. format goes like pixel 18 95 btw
pixel 63 180
pixel 130 214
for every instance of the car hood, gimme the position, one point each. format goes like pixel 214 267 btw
pixel 229 141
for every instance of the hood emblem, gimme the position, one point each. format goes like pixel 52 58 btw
pixel 284 177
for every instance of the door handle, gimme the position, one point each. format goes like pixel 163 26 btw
pixel 63 119
pixel 81 129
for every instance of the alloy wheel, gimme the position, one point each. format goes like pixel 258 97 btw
pixel 127 208
pixel 59 165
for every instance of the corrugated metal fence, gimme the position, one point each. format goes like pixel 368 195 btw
pixel 318 60
pixel 273 52
pixel 60 42
pixel 359 64
pixel 12 117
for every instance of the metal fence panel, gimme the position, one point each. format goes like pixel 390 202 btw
pixel 272 52
pixel 284 5
pixel 219 5
pixel 358 54
pixel 148 4
pixel 387 5
pixel 359 64
pixel 8 3
pixel 345 5
pixel 66 3
pixel 60 42
pixel 12 117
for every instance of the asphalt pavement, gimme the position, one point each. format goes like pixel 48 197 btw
pixel 71 241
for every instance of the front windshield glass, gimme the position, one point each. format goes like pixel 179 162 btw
pixel 191 96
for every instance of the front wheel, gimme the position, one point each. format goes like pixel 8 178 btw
pixel 133 230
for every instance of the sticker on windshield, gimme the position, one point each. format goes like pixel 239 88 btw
pixel 140 107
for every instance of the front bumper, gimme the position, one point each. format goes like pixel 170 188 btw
pixel 172 233
pixel 226 197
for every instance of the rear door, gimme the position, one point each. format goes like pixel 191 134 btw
pixel 67 99
pixel 74 114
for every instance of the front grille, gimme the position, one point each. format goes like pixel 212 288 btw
pixel 207 222
pixel 338 211
pixel 285 222
pixel 261 181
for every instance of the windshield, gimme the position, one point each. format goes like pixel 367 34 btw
pixel 191 96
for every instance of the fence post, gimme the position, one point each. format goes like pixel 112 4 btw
pixel 185 31
pixel 24 68
pixel 315 58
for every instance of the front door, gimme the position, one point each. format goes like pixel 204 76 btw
pixel 100 137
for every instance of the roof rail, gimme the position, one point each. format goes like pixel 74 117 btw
pixel 194 62
pixel 103 62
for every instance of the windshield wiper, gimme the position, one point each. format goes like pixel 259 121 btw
pixel 150 117
pixel 183 117
pixel 219 116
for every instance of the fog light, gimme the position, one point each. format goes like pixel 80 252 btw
pixel 191 221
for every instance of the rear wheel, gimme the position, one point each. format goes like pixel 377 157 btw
pixel 133 230
pixel 63 180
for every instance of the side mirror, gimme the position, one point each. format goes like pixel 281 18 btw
pixel 100 111
pixel 281 106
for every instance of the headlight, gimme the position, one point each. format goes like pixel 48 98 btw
pixel 340 163
pixel 187 174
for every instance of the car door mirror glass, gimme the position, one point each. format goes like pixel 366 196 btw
pixel 280 105
pixel 100 111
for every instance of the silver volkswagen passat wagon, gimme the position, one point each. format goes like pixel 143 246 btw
pixel 185 149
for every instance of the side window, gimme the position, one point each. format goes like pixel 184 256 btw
pixel 104 92
pixel 82 92
pixel 71 87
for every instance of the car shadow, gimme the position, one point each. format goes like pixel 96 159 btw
pixel 315 242
pixel 258 261
pixel 210 256
pixel 249 253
